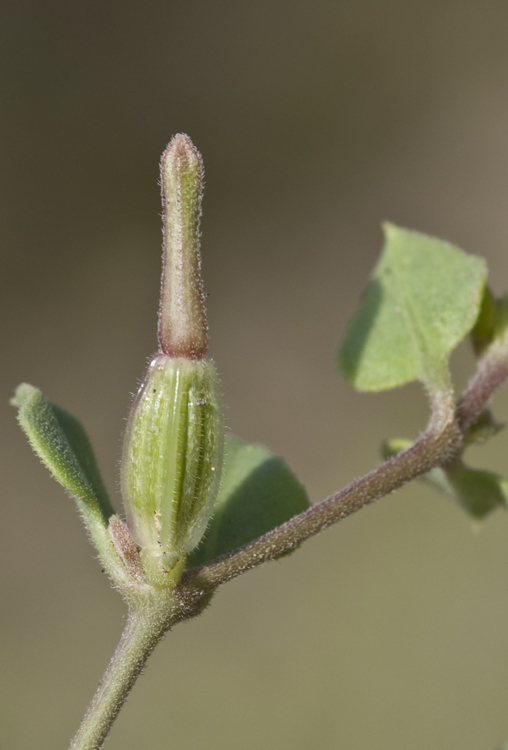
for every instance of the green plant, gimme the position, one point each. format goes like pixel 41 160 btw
pixel 188 530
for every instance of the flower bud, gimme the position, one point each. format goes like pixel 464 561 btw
pixel 174 442
pixel 183 330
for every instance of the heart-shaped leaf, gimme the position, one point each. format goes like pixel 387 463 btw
pixel 422 300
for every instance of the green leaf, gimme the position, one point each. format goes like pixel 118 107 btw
pixel 478 492
pixel 483 330
pixel 483 429
pixel 258 492
pixel 393 447
pixel 492 322
pixel 63 446
pixel 422 300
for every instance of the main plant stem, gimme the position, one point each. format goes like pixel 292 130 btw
pixel 147 624
pixel 144 629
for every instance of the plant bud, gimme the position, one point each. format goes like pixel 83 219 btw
pixel 174 442
pixel 183 330
pixel 173 455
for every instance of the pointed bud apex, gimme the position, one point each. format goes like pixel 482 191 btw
pixel 183 330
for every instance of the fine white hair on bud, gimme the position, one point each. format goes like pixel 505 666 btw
pixel 174 441
pixel 183 330
pixel 172 457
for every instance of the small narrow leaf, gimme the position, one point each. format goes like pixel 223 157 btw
pixel 422 300
pixel 63 446
pixel 478 492
pixel 258 492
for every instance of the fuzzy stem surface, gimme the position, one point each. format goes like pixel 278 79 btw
pixel 146 625
pixel 438 443
pixel 144 629
pixel 491 374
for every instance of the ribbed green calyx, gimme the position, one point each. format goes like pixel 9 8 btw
pixel 173 456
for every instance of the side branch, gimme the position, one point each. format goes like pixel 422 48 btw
pixel 491 373
pixel 441 438
pixel 438 443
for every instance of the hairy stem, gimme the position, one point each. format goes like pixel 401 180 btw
pixel 440 440
pixel 144 629
pixel 147 625
pixel 491 373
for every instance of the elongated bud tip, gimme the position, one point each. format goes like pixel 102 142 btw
pixel 183 330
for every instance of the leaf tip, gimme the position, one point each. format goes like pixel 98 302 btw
pixel 389 229
pixel 22 395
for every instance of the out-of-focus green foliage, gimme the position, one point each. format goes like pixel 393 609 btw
pixel 258 492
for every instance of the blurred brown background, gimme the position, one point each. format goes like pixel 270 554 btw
pixel 316 121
